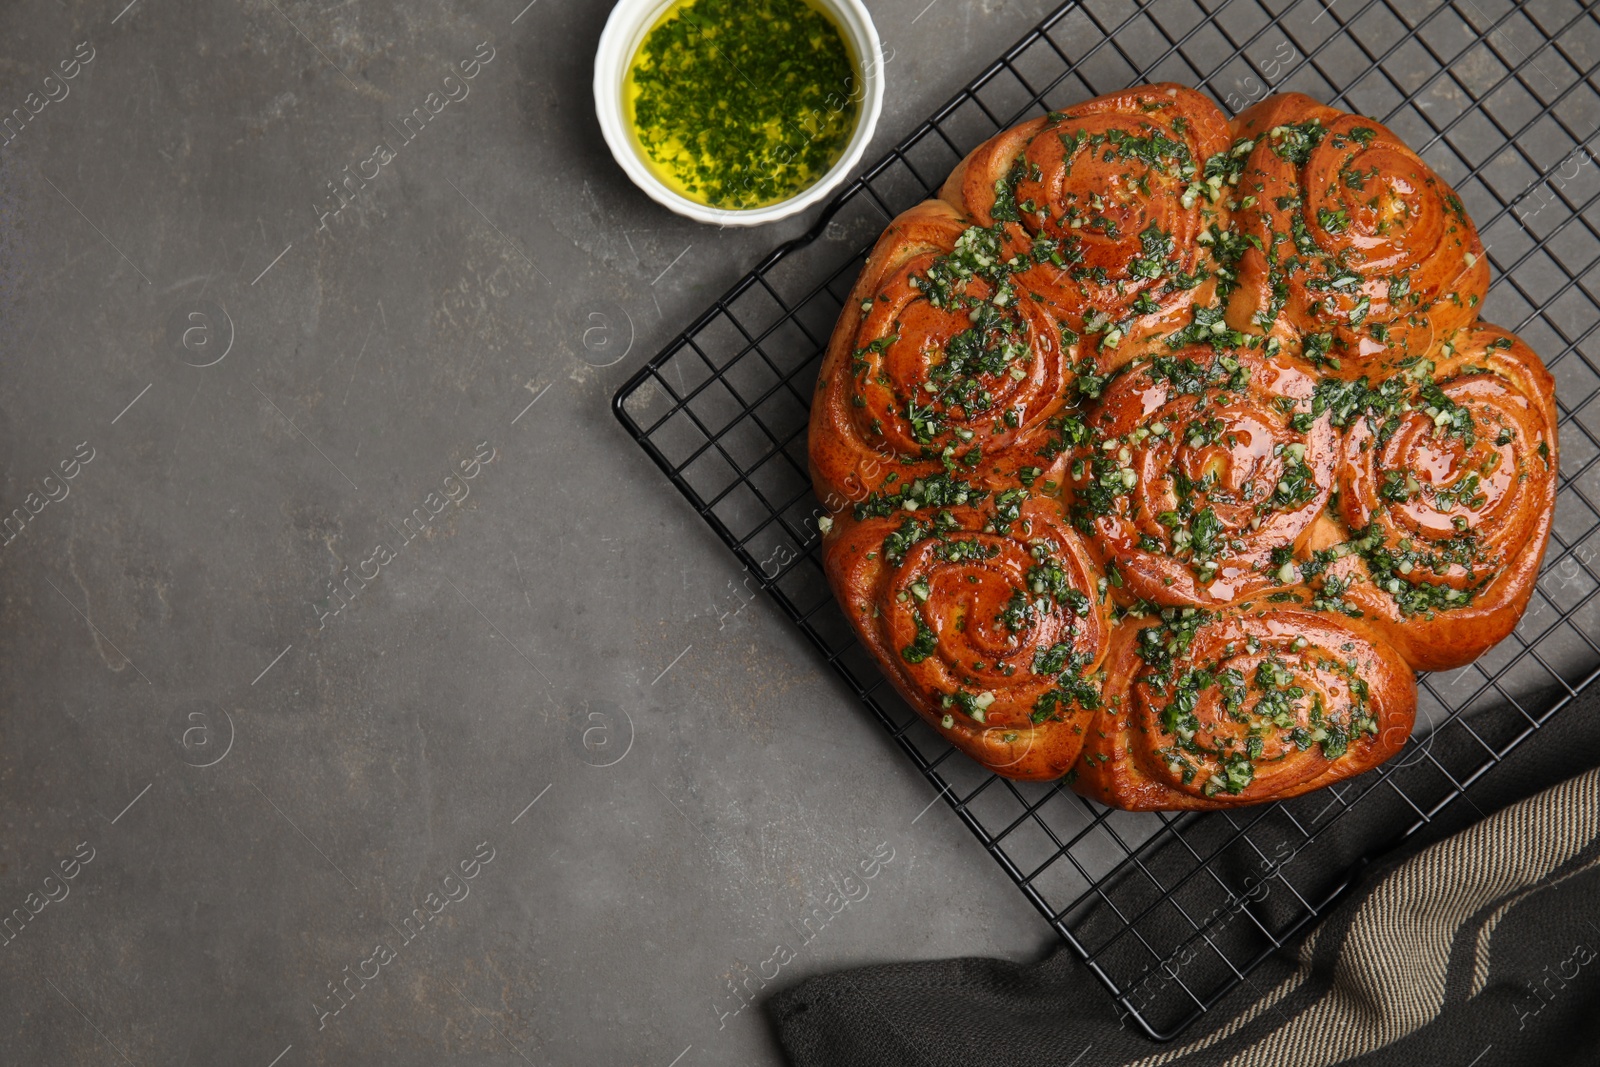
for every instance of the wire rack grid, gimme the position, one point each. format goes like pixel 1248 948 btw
pixel 1173 911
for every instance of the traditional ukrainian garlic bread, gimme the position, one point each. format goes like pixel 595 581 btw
pixel 1160 450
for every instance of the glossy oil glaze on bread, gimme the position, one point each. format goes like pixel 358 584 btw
pixel 1160 450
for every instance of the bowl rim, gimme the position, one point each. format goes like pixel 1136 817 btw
pixel 624 31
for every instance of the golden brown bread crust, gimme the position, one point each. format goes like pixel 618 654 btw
pixel 1357 693
pixel 1144 413
pixel 958 624
pixel 1159 451
pixel 1499 483
pixel 1128 193
pixel 1350 199
pixel 848 458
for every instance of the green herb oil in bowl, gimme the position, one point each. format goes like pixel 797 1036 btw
pixel 738 104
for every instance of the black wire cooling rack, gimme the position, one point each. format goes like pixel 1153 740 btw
pixel 1173 911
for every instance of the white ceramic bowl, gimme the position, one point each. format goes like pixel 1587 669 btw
pixel 624 32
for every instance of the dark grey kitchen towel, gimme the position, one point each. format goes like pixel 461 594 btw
pixel 1472 945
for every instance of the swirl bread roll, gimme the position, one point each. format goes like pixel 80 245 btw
pixel 1350 237
pixel 942 361
pixel 1217 710
pixel 1197 471
pixel 1109 199
pixel 1449 488
pixel 988 619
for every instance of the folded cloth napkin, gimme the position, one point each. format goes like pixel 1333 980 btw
pixel 1471 947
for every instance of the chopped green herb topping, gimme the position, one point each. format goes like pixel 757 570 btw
pixel 740 103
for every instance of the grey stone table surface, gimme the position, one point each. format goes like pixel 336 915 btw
pixel 525 793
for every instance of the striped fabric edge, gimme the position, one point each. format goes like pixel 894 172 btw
pixel 1393 957
pixel 1481 951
